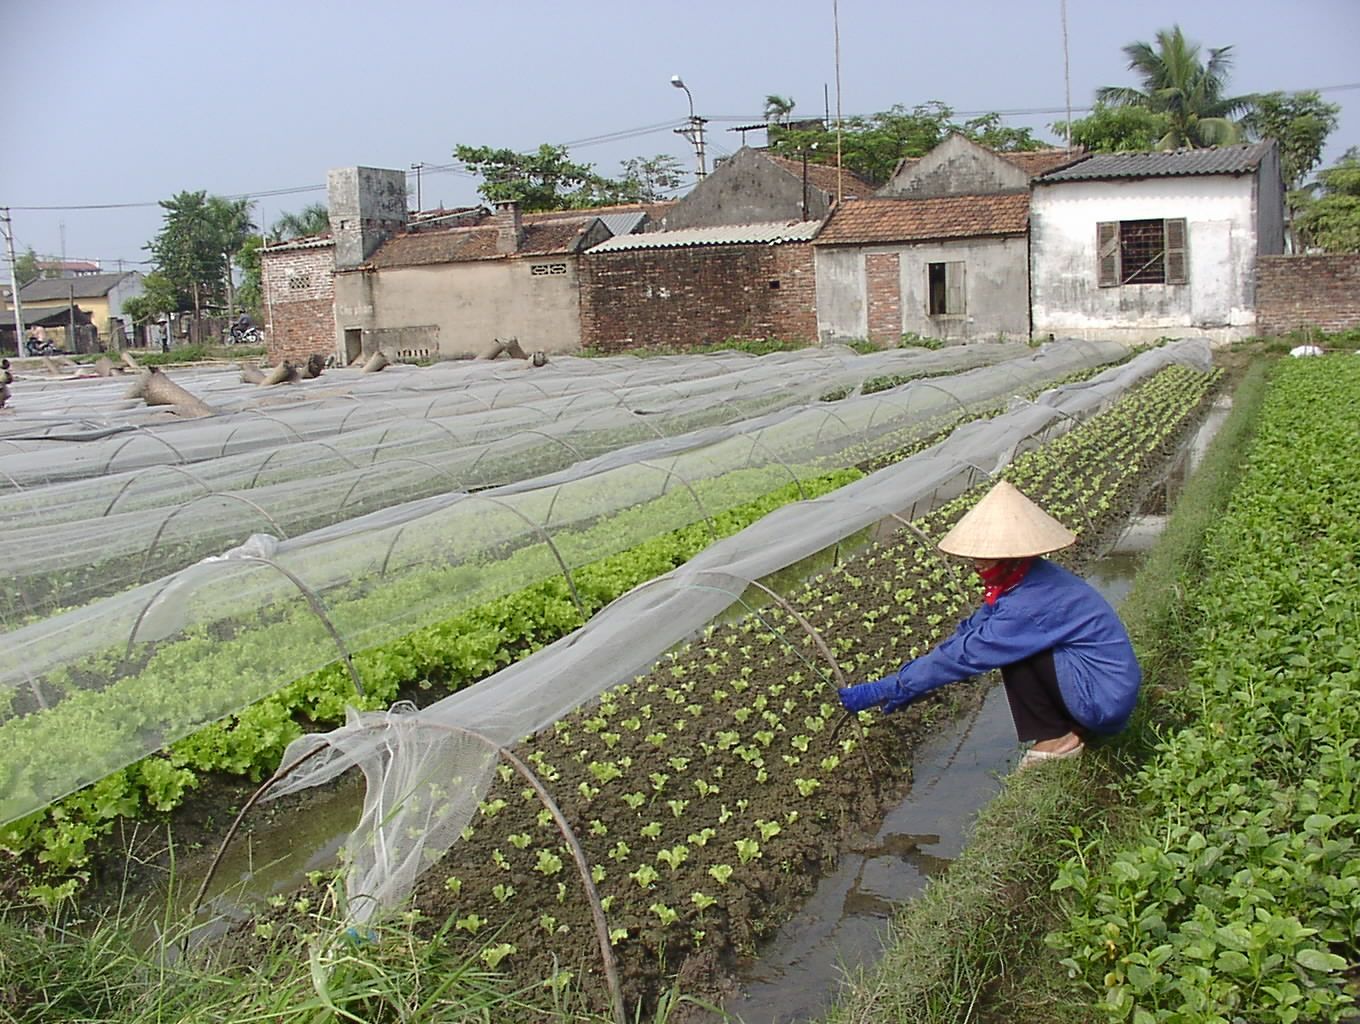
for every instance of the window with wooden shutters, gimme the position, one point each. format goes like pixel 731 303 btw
pixel 1149 251
pixel 945 294
pixel 1176 258
pixel 1107 245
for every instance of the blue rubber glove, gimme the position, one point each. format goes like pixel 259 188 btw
pixel 887 693
pixel 879 693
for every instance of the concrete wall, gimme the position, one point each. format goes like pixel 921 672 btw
pixel 851 296
pixel 1308 293
pixel 299 302
pixel 956 167
pixel 698 295
pixel 1218 299
pixel 367 206
pixel 455 310
pixel 746 189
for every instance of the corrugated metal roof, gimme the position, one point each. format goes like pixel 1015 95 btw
pixel 87 286
pixel 1239 159
pixel 726 234
pixel 623 223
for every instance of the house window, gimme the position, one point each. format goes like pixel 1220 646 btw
pixel 299 282
pixel 944 289
pixel 1141 252
pixel 547 269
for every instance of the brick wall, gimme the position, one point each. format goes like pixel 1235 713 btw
pixel 299 302
pixel 684 297
pixel 883 280
pixel 1296 292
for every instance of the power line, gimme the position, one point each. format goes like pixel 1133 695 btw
pixel 592 140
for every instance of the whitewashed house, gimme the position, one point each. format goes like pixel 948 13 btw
pixel 940 251
pixel 1142 245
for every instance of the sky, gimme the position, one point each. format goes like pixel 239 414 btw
pixel 124 104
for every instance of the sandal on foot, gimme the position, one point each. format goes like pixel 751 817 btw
pixel 1032 757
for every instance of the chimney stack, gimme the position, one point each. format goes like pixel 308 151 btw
pixel 509 226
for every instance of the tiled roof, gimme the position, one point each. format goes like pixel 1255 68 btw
pixel 1239 159
pixel 549 236
pixel 726 234
pixel 86 286
pixel 657 210
pixel 823 177
pixel 918 220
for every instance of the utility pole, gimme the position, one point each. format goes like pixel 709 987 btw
pixel 231 295
pixel 695 129
pixel 417 167
pixel 14 283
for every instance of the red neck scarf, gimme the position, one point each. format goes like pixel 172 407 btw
pixel 1002 577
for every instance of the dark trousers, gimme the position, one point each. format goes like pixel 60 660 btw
pixel 1036 702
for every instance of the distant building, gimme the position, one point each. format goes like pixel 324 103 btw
pixel 940 251
pixel 95 300
pixel 67 268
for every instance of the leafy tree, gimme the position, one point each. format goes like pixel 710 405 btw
pixel 312 219
pixel 872 146
pixel 1332 220
pixel 250 294
pixel 26 267
pixel 541 180
pixel 1188 91
pixel 197 241
pixel 646 180
pixel 1300 122
pixel 1109 129
pixel 159 296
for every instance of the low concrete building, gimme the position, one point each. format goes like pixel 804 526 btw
pixel 1141 245
pixel 940 251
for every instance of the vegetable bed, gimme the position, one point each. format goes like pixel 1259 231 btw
pixel 709 794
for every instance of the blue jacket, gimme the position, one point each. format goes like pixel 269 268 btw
pixel 1050 609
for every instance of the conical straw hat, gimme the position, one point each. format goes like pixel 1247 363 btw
pixel 1006 524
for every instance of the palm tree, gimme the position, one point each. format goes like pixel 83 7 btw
pixel 778 109
pixel 313 219
pixel 1188 92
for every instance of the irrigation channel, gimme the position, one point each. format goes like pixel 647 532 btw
pixel 795 974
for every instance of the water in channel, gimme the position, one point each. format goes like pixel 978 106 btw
pixel 956 772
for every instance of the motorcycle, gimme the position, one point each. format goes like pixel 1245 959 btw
pixel 34 347
pixel 245 335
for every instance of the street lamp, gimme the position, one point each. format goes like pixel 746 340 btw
pixel 695 131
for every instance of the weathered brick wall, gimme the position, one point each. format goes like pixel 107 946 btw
pixel 1296 292
pixel 883 281
pixel 684 297
pixel 299 302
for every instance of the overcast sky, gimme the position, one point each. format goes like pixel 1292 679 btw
pixel 131 102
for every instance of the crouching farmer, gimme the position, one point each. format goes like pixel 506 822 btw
pixel 1069 669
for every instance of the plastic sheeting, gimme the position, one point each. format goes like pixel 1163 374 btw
pixel 96 688
pixel 127 541
pixel 427 770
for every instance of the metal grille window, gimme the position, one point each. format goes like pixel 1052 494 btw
pixel 1141 252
